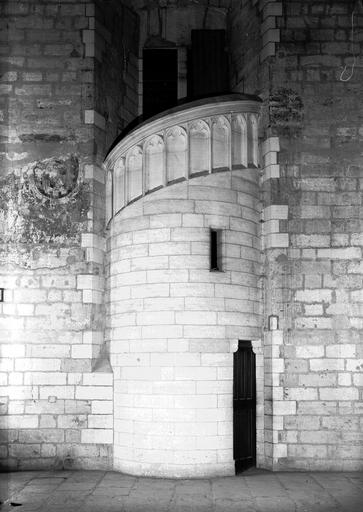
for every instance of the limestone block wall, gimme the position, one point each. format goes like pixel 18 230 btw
pixel 174 324
pixel 173 21
pixel 316 282
pixel 308 75
pixel 54 412
pixel 53 132
pixel 322 184
pixel 67 86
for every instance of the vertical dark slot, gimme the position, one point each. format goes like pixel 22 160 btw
pixel 160 80
pixel 214 250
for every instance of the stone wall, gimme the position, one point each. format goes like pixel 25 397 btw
pixel 63 99
pixel 308 73
pixel 313 181
pixel 315 110
pixel 55 412
pixel 174 324
pixel 174 317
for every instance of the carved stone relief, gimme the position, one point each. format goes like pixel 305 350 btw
pixel 56 177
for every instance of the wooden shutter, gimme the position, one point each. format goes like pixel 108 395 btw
pixel 208 63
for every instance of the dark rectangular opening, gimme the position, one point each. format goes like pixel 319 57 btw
pixel 160 80
pixel 214 250
pixel 208 64
pixel 244 406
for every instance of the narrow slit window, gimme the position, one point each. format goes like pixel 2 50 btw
pixel 215 250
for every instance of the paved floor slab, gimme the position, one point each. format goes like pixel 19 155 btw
pixel 254 491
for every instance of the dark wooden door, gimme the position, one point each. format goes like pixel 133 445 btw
pixel 160 80
pixel 208 64
pixel 244 407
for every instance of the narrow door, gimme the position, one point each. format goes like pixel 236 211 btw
pixel 244 407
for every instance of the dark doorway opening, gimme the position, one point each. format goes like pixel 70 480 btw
pixel 244 407
pixel 160 80
pixel 207 71
pixel 208 64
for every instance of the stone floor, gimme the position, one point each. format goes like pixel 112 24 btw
pixel 255 491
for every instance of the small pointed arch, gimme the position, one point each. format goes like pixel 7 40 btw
pixel 200 147
pixel 252 141
pixel 119 185
pixel 134 173
pixel 154 154
pixel 239 141
pixel 221 143
pixel 109 208
pixel 176 153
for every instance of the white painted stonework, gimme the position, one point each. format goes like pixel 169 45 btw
pixel 205 137
pixel 173 324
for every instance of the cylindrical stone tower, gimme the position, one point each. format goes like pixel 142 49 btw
pixel 184 253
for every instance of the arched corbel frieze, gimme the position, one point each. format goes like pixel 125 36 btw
pixel 154 160
pixel 196 140
pixel 109 199
pixel 134 179
pixel 176 154
pixel 239 141
pixel 221 143
pixel 200 148
pixel 252 140
pixel 119 185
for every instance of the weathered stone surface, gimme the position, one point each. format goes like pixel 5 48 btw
pixel 70 82
pixel 56 177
